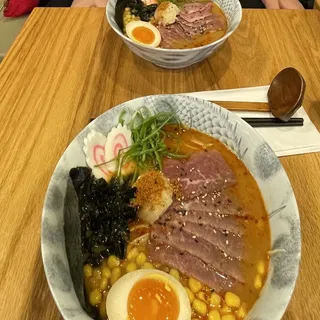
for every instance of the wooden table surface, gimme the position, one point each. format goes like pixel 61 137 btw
pixel 67 66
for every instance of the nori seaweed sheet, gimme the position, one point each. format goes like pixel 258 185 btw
pixel 137 8
pixel 72 232
pixel 105 210
pixel 96 216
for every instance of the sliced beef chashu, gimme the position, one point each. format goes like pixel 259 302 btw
pixel 194 19
pixel 202 173
pixel 191 266
pixel 217 202
pixel 198 247
pixel 234 224
pixel 227 242
pixel 205 227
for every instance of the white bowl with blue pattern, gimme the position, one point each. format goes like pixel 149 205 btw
pixel 179 58
pixel 250 148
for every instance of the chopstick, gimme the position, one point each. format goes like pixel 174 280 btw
pixel 244 106
pixel 273 122
pixel 268 122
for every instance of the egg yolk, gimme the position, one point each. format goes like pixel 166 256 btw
pixel 143 35
pixel 152 299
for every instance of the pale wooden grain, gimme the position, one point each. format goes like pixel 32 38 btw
pixel 67 66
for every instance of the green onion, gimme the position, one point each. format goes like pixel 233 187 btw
pixel 148 147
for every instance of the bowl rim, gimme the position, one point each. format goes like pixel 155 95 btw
pixel 158 49
pixel 44 247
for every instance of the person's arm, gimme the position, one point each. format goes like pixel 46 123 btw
pixel 89 3
pixel 282 4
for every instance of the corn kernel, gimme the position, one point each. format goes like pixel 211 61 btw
pixel 190 294
pixel 96 273
pixel 199 307
pixel 103 284
pixel 113 262
pixel 232 300
pixel 141 259
pixel 106 272
pixel 258 281
pixel 115 275
pixel 241 312
pixel 94 283
pixel 214 315
pixel 215 299
pixel 175 274
pixel 132 254
pixel 202 296
pixel 228 317
pixel 194 285
pixel 147 265
pixel 131 266
pixel 87 270
pixel 95 297
pixel 261 267
pixel 225 309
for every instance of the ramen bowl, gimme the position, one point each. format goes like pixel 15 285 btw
pixel 244 142
pixel 179 58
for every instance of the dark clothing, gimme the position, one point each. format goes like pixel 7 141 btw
pixel 255 4
pixel 55 3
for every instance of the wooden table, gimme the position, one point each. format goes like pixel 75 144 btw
pixel 67 66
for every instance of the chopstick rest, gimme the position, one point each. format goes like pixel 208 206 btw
pixel 273 122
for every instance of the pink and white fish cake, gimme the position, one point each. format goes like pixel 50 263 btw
pixel 94 149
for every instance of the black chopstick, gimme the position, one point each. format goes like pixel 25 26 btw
pixel 268 122
pixel 273 122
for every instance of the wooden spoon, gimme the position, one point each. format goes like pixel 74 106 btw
pixel 285 96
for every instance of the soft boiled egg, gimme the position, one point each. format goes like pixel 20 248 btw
pixel 148 294
pixel 144 33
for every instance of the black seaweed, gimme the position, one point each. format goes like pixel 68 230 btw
pixel 104 210
pixel 137 8
pixel 144 12
pixel 72 232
